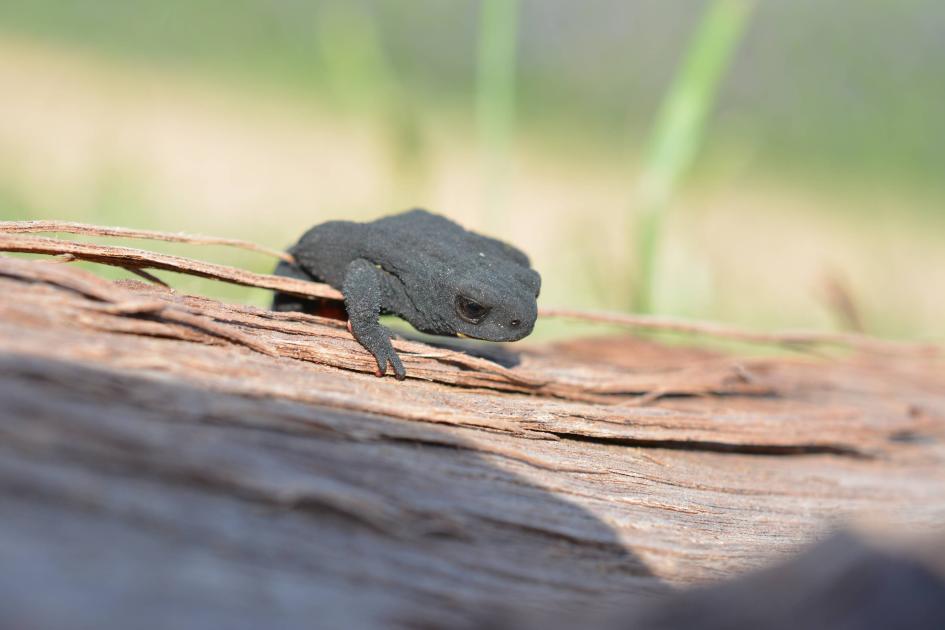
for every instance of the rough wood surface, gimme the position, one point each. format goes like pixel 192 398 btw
pixel 167 458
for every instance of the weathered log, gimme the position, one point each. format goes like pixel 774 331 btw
pixel 170 460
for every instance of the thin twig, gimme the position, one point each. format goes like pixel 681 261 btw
pixel 789 338
pixel 127 257
pixel 150 277
pixel 70 227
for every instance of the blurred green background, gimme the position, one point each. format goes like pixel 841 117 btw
pixel 773 164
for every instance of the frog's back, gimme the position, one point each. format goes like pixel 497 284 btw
pixel 418 226
pixel 434 238
pixel 414 243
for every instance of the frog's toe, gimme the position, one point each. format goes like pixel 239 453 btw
pixel 399 372
pixel 381 359
pixel 390 356
pixel 385 356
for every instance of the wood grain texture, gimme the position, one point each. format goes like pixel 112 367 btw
pixel 168 458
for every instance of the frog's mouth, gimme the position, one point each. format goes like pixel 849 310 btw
pixel 474 338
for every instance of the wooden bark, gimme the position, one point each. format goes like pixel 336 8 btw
pixel 167 459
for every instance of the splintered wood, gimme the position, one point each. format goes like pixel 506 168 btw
pixel 208 458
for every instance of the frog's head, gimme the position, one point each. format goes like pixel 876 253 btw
pixel 494 300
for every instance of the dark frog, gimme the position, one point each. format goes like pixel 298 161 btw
pixel 422 267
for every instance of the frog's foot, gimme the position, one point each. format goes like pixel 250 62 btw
pixel 376 340
pixel 385 356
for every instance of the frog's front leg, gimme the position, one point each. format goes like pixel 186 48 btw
pixel 363 289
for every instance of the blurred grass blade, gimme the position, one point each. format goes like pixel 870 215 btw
pixel 678 130
pixel 495 105
pixel 363 80
pixel 352 57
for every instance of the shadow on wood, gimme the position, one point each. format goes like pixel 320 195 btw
pixel 131 499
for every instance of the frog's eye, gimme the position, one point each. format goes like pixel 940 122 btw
pixel 471 310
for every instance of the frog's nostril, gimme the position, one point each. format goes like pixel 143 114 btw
pixel 515 323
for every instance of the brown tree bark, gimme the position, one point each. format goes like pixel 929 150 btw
pixel 167 459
